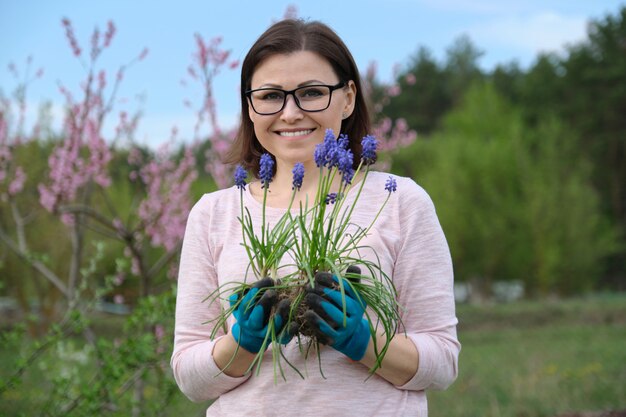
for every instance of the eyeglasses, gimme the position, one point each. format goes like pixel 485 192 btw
pixel 310 98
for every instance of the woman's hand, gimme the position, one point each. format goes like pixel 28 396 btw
pixel 252 313
pixel 326 316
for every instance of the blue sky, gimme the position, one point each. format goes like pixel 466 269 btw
pixel 387 32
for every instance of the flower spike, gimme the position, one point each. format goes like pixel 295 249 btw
pixel 240 177
pixel 369 145
pixel 391 185
pixel 266 171
pixel 298 175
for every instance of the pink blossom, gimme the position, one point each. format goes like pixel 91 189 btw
pixel 82 156
pixel 394 90
pixel 108 36
pixel 69 33
pixel 192 72
pixel 18 181
pixel 118 279
pixel 172 271
pixel 143 54
pixel 202 53
pixel 118 299
pixel 410 79
pixel 134 266
pixel 68 219
pixel 135 157
pixel 95 44
pixel 102 80
pixel 117 223
pixel 166 206
pixel 159 332
pixel 220 143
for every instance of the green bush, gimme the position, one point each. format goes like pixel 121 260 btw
pixel 515 203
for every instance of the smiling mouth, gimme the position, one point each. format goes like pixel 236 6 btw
pixel 295 133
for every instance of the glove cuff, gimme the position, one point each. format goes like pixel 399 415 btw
pixel 249 344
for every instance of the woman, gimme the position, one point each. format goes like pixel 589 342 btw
pixel 291 62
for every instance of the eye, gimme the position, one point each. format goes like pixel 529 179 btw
pixel 312 92
pixel 268 95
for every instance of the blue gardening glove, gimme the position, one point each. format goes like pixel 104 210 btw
pixel 325 316
pixel 252 315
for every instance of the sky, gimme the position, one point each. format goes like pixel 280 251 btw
pixel 388 32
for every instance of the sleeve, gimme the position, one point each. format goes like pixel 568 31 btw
pixel 195 371
pixel 424 280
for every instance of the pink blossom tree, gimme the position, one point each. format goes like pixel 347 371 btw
pixel 78 191
pixel 78 180
pixel 207 62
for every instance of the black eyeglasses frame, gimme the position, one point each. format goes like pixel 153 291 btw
pixel 248 94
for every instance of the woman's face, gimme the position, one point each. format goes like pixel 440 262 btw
pixel 291 134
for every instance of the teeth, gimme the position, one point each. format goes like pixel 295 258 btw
pixel 298 133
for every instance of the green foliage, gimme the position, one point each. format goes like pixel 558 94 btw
pixel 423 102
pixel 586 90
pixel 515 202
pixel 105 376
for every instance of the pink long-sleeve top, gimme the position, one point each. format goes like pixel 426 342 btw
pixel 410 247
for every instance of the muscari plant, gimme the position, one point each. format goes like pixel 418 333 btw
pixel 324 245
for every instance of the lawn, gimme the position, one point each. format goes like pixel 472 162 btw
pixel 539 359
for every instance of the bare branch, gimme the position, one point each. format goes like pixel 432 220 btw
pixel 37 265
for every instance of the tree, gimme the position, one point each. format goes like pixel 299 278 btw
pixel 462 67
pixel 515 202
pixel 594 103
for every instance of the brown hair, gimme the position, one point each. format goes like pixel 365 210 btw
pixel 285 37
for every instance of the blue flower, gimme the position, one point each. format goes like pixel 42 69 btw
pixel 333 152
pixel 347 176
pixel 329 136
pixel 298 175
pixel 368 153
pixel 331 198
pixel 391 185
pixel 343 141
pixel 240 177
pixel 320 155
pixel 345 159
pixel 266 172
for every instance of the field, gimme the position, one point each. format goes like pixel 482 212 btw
pixel 544 358
pixel 525 359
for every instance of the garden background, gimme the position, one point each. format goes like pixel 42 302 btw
pixel 526 164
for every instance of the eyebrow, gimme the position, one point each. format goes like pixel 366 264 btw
pixel 302 84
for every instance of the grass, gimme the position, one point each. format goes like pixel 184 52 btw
pixel 535 358
pixel 524 359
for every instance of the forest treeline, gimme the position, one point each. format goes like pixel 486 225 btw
pixel 527 166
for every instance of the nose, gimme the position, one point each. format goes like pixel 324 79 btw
pixel 291 112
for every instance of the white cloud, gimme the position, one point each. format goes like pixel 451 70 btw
pixel 543 32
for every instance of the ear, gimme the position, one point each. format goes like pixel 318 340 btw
pixel 350 102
